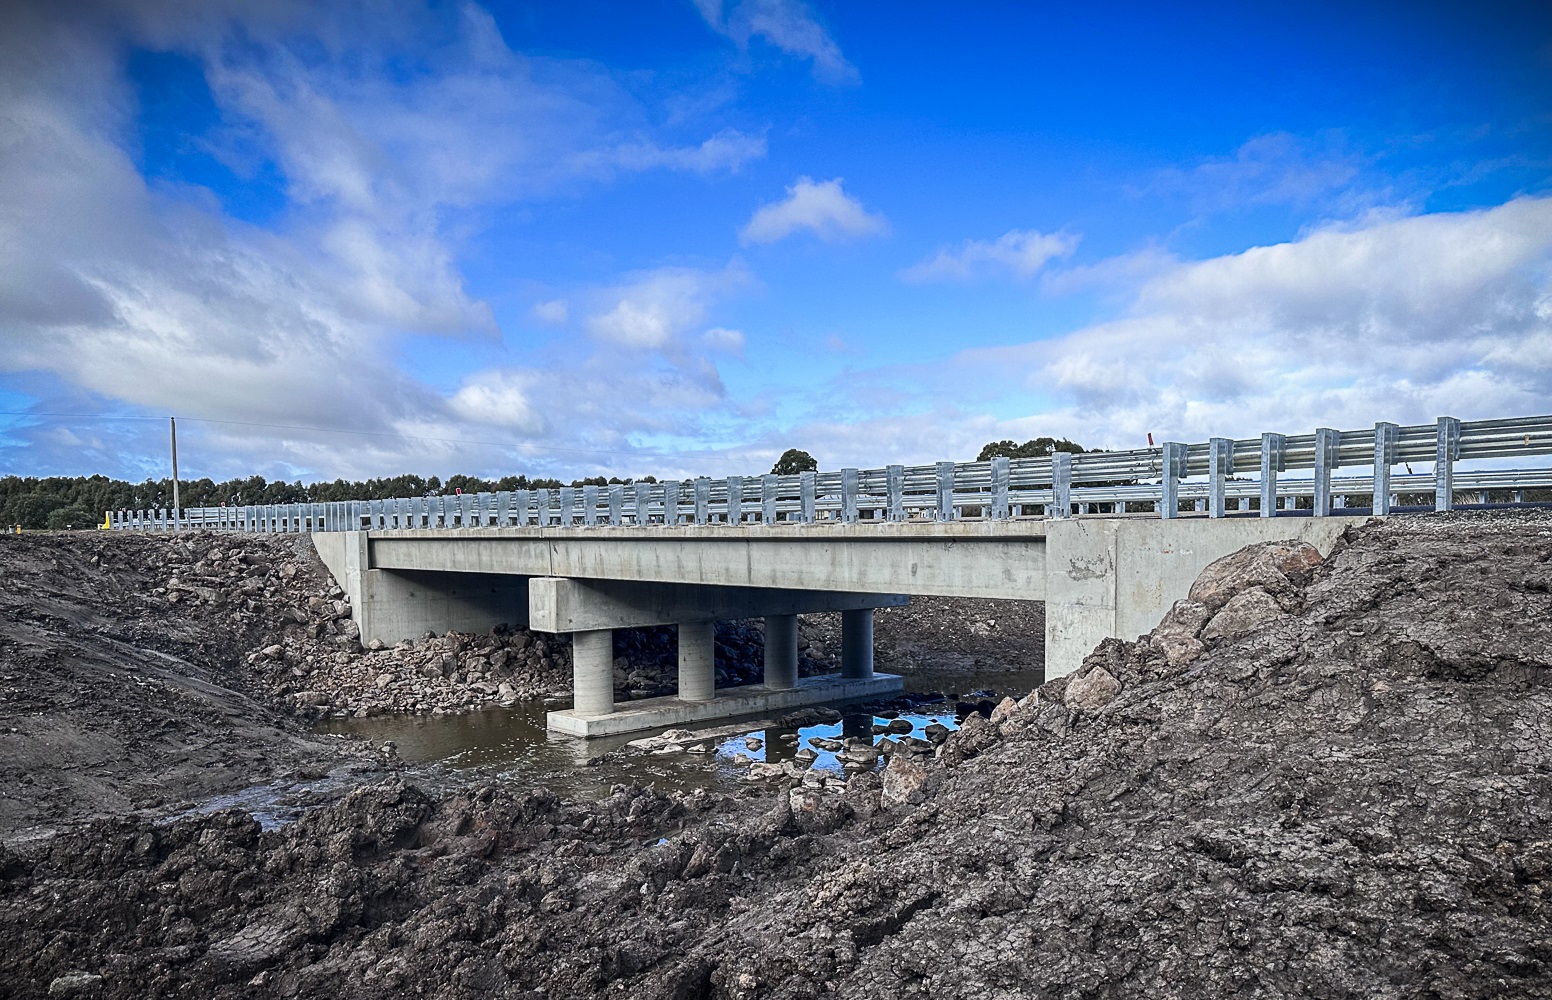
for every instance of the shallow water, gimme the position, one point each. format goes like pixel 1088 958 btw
pixel 513 744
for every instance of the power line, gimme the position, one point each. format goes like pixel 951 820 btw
pixel 340 430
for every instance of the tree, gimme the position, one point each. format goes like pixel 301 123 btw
pixel 793 461
pixel 74 516
pixel 1039 447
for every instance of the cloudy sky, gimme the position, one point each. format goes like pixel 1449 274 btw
pixel 678 237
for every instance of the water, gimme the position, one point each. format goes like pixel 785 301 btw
pixel 512 744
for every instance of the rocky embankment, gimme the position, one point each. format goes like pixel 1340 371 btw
pixel 1324 778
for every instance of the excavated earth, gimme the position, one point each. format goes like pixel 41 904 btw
pixel 1323 778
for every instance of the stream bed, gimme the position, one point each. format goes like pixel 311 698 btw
pixel 512 744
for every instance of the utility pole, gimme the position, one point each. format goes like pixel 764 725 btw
pixel 173 421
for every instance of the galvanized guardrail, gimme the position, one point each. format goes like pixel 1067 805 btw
pixel 1057 486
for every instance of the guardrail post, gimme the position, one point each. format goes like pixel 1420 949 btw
pixel 702 499
pixel 1174 468
pixel 671 503
pixel 808 496
pixel 590 505
pixel 895 480
pixel 503 508
pixel 849 481
pixel 643 492
pixel 1446 452
pixel 542 506
pixel 616 504
pixel 945 491
pixel 1386 437
pixel 1220 464
pixel 1327 441
pixel 1273 460
pixel 1061 485
pixel 1000 488
pixel 768 498
pixel 568 506
pixel 735 499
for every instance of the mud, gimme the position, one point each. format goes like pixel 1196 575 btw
pixel 1325 778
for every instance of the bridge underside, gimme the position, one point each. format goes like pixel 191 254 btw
pixel 1099 577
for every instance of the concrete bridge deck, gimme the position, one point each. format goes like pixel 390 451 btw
pixel 1098 576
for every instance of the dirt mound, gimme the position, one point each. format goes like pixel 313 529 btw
pixel 122 675
pixel 1322 779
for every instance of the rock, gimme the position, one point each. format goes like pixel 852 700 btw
pixel 1093 690
pixel 74 984
pixel 937 732
pixel 274 651
pixel 1004 709
pixel 899 726
pixel 904 782
pixel 1268 565
pixel 1245 612
pixel 762 770
pixel 825 744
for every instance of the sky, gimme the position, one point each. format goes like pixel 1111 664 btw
pixel 677 238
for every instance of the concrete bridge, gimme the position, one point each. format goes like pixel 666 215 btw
pixel 1107 540
pixel 1099 577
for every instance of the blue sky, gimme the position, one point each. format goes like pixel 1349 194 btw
pixel 366 238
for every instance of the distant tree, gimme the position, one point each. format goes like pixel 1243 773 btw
pixel 793 461
pixel 73 517
pixel 1039 447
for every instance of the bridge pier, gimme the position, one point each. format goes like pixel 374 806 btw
pixel 697 661
pixel 781 652
pixel 592 672
pixel 857 644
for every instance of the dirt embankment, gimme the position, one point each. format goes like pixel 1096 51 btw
pixel 1316 778
pixel 123 675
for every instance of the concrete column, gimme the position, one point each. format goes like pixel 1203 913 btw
pixel 592 672
pixel 697 661
pixel 781 651
pixel 857 643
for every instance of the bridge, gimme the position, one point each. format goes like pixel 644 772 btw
pixel 1108 540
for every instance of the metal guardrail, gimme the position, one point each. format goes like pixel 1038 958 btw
pixel 1057 486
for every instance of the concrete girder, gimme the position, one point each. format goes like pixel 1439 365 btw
pixel 557 604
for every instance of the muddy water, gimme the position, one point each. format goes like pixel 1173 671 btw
pixel 513 744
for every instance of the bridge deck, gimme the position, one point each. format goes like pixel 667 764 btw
pixel 998 559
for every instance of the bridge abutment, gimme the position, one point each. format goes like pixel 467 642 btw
pixel 1116 577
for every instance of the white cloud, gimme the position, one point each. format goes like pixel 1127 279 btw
pixel 822 207
pixel 554 312
pixel 724 340
pixel 1386 319
pixel 1018 252
pixel 116 292
pixel 1278 169
pixel 789 25
pixel 655 310
pixel 499 399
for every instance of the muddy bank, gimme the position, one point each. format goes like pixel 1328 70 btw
pixel 123 675
pixel 148 671
pixel 1317 778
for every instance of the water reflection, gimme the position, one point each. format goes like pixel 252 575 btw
pixel 513 744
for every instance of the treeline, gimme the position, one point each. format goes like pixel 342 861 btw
pixel 79 501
